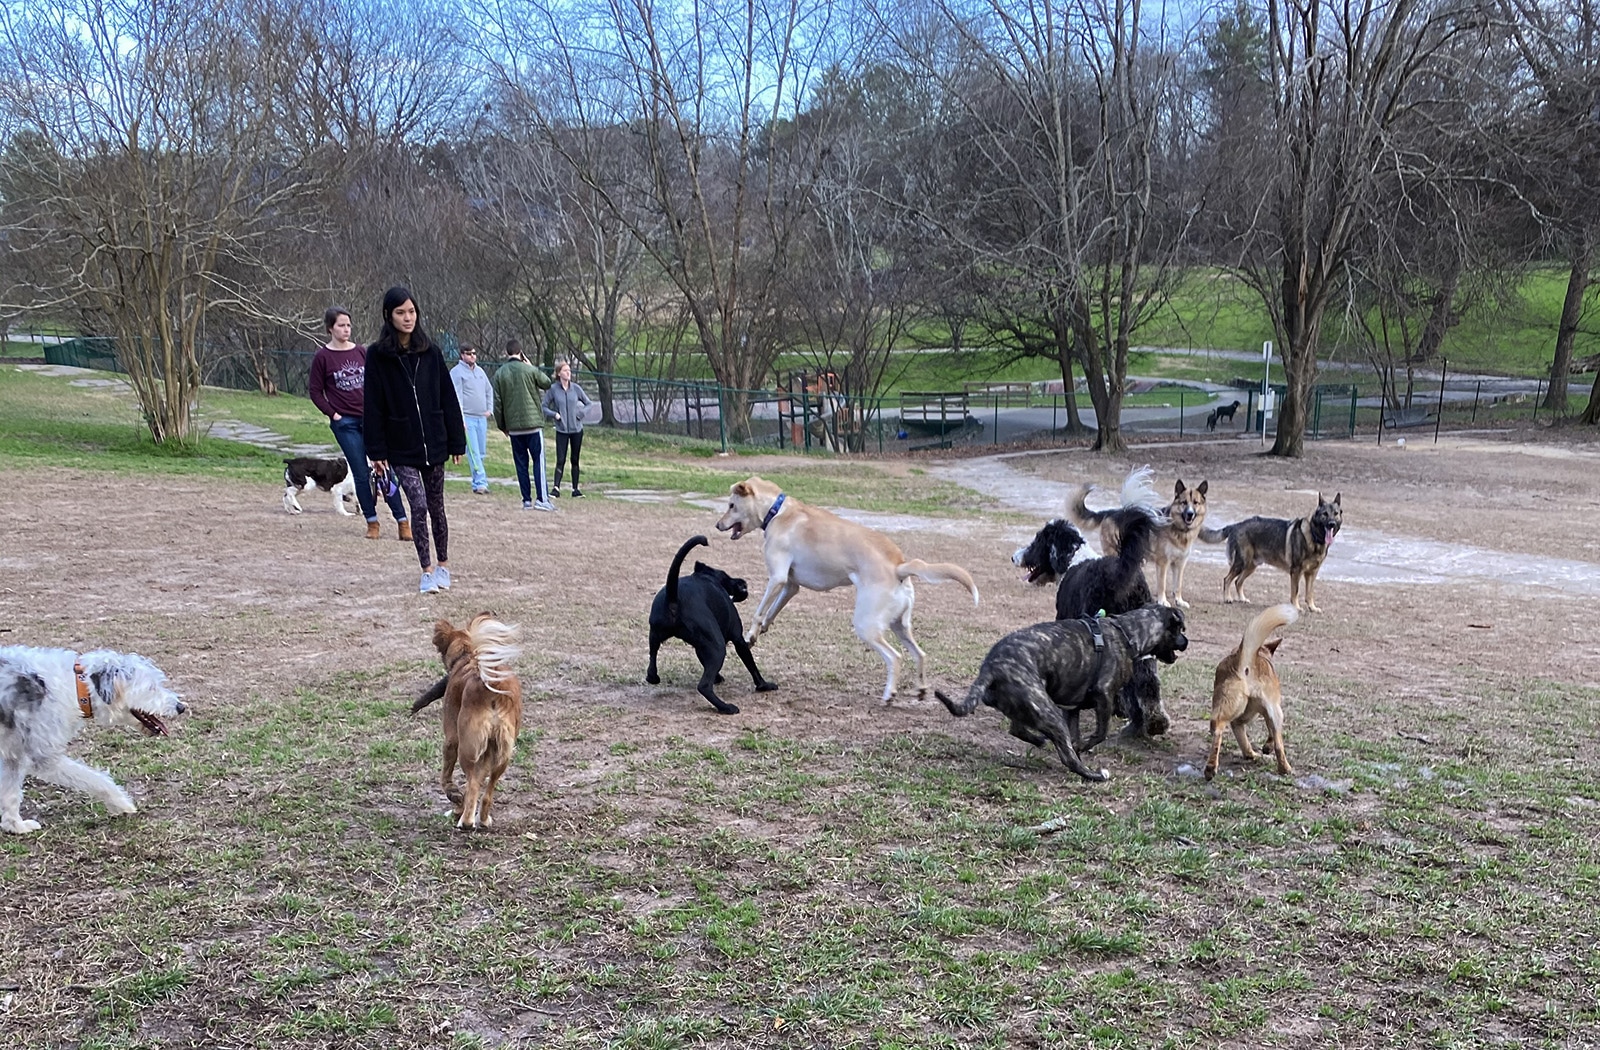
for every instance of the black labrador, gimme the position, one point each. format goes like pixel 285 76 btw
pixel 1042 677
pixel 699 609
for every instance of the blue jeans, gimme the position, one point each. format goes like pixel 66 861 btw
pixel 523 448
pixel 347 431
pixel 477 449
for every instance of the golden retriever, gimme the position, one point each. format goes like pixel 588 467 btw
pixel 482 712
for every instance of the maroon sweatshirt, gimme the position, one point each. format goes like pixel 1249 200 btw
pixel 337 380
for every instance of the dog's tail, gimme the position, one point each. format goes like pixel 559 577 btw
pixel 968 704
pixel 430 694
pixel 672 573
pixel 1221 535
pixel 1138 493
pixel 1260 628
pixel 494 647
pixel 938 572
pixel 1137 539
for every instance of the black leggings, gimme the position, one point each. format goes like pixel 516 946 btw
pixel 424 490
pixel 562 441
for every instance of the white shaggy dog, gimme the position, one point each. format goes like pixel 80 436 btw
pixel 45 694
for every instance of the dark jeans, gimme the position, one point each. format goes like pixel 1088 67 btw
pixel 523 448
pixel 562 442
pixel 424 489
pixel 347 432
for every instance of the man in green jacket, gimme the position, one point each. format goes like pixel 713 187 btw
pixel 518 387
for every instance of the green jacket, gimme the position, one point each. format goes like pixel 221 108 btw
pixel 517 389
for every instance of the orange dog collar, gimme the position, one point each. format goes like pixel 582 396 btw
pixel 84 703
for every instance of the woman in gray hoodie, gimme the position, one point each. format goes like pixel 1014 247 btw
pixel 564 403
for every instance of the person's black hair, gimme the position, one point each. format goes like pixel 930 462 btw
pixel 513 348
pixel 331 317
pixel 389 338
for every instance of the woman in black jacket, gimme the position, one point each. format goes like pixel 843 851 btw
pixel 412 424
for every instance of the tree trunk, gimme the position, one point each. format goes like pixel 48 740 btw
pixel 1442 317
pixel 1069 386
pixel 1591 415
pixel 1555 399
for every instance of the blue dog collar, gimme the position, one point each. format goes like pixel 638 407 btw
pixel 777 505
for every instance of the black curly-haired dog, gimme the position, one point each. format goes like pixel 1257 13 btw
pixel 699 609
pixel 1043 676
pixel 1114 584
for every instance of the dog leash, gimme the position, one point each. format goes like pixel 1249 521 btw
pixel 777 505
pixel 84 703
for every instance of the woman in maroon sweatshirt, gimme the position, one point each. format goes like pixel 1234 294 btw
pixel 338 377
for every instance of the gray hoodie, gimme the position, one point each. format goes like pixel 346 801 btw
pixel 566 407
pixel 473 390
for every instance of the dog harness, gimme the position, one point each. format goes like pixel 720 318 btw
pixel 84 703
pixel 777 505
pixel 1093 623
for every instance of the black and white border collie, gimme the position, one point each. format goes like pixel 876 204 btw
pixel 304 473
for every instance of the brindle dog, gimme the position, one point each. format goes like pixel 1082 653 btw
pixel 1043 676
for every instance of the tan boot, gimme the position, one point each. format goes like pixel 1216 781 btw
pixel 405 531
pixel 372 530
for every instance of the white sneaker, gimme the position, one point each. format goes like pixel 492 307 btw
pixel 527 504
pixel 544 504
pixel 441 578
pixel 429 584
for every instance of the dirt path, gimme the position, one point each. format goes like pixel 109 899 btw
pixel 1463 554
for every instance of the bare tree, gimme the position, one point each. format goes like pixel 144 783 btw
pixel 144 157
pixel 1075 213
pixel 713 203
pixel 1341 81
pixel 1556 95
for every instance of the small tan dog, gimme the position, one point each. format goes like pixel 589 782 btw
pixel 1247 685
pixel 482 712
pixel 809 547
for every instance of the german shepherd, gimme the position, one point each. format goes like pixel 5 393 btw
pixel 482 712
pixel 1247 685
pixel 1298 547
pixel 1172 543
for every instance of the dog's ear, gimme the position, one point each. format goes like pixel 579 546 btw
pixel 1201 488
pixel 1178 491
pixel 744 488
pixel 1335 499
pixel 1272 646
pixel 441 635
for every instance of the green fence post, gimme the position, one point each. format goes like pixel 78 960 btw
pixel 1353 393
pixel 634 381
pixel 996 431
pixel 722 420
pixel 805 416
pixel 1180 412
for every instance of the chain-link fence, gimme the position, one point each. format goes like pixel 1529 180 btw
pixel 811 412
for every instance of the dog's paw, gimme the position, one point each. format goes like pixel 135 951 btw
pixel 1180 603
pixel 653 678
pixel 766 687
pixel 1313 608
pixel 726 708
pixel 19 826
pixel 1162 601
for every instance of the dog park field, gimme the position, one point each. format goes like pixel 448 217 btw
pixel 819 870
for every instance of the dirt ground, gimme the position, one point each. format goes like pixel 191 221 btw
pixel 241 603
pixel 1464 572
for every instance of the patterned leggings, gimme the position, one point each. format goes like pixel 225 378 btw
pixel 424 490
